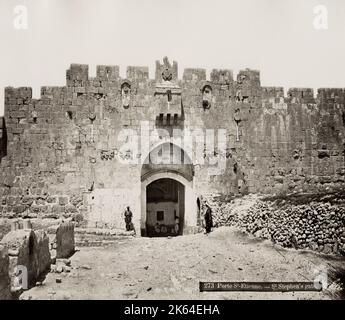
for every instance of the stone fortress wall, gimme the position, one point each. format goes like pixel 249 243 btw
pixel 62 155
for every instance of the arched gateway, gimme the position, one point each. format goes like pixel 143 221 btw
pixel 168 201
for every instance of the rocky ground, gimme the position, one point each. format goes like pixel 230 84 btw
pixel 171 268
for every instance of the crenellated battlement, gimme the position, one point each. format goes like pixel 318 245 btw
pixel 243 87
pixel 221 76
pixel 17 95
pixel 108 72
pixel 194 74
pixel 305 95
pixel 79 73
pixel 137 73
pixel 247 81
pixel 272 92
pixel 336 95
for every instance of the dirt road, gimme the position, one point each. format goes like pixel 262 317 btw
pixel 163 268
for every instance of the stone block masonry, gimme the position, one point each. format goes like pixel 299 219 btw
pixel 61 155
pixel 5 282
pixel 3 138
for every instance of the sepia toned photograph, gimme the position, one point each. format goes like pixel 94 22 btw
pixel 172 150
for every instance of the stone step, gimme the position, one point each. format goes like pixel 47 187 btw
pixel 103 231
pixel 96 237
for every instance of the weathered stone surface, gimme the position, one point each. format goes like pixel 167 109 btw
pixel 43 253
pixel 5 227
pixel 5 282
pixel 65 243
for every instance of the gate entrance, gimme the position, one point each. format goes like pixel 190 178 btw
pixel 168 201
pixel 165 206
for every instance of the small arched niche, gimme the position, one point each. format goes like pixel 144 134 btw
pixel 206 96
pixel 126 94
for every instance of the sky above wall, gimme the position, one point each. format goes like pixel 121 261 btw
pixel 277 37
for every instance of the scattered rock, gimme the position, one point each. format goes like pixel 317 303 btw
pixel 128 294
pixel 66 262
pixel 59 269
pixel 53 268
pixel 86 267
pixel 13 252
pixel 67 269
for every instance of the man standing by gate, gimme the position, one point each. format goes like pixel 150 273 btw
pixel 128 219
pixel 208 220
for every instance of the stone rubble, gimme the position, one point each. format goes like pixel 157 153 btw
pixel 318 226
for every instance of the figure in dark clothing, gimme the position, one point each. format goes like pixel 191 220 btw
pixel 128 219
pixel 294 241
pixel 208 219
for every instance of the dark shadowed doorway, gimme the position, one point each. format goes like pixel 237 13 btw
pixel 165 206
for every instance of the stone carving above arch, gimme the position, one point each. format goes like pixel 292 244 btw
pixel 167 71
pixel 221 76
pixel 167 157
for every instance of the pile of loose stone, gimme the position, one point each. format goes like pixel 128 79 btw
pixel 318 226
pixel 222 213
pixel 61 265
